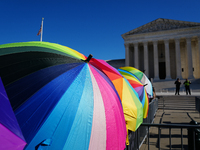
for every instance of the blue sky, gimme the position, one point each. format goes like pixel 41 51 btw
pixel 88 26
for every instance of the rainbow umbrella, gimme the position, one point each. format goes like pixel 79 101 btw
pixel 139 88
pixel 18 60
pixel 143 78
pixel 133 110
pixel 68 106
pixel 11 137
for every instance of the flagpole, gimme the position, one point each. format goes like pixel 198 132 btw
pixel 41 30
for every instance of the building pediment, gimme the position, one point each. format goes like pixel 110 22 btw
pixel 162 25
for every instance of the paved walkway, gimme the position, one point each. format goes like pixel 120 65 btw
pixel 177 110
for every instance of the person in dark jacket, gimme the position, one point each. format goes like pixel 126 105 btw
pixel 187 86
pixel 178 84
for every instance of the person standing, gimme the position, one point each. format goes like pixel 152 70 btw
pixel 178 84
pixel 187 86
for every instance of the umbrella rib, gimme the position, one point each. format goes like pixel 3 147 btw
pixel 145 84
pixel 129 115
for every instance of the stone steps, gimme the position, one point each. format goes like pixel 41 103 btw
pixel 177 102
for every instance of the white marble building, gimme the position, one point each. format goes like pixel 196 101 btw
pixel 165 49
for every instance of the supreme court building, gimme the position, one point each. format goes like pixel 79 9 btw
pixel 164 49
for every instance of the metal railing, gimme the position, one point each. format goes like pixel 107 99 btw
pixel 197 101
pixel 137 138
pixel 192 132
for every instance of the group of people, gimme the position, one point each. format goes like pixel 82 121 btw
pixel 187 86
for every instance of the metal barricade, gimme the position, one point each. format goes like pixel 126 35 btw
pixel 170 127
pixel 197 101
pixel 137 138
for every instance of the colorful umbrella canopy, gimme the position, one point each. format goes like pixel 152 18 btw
pixel 133 110
pixel 139 88
pixel 68 106
pixel 20 59
pixel 11 137
pixel 143 78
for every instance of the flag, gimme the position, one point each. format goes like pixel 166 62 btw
pixel 39 31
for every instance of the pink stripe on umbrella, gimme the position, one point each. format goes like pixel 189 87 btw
pixel 115 123
pixel 98 134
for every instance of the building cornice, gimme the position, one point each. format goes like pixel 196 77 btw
pixel 162 25
pixel 158 35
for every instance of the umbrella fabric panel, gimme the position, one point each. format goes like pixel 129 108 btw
pixel 133 115
pixel 9 140
pixel 98 134
pixel 141 93
pixel 74 140
pixel 112 75
pixel 115 122
pixel 120 84
pixel 142 97
pixel 135 83
pixel 21 59
pixel 110 71
pixel 40 46
pixel 134 71
pixel 143 78
pixel 71 116
pixel 99 69
pixel 148 85
pixel 7 117
pixel 17 65
pixel 139 88
pixel 68 125
pixel 146 106
pixel 19 91
pixel 59 111
pixel 10 133
pixel 33 113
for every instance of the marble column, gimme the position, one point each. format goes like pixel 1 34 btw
pixel 189 58
pixel 167 60
pixel 156 65
pixel 127 54
pixel 136 55
pixel 199 50
pixel 146 60
pixel 178 59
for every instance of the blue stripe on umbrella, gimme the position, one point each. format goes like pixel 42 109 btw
pixel 32 114
pixel 20 91
pixel 75 108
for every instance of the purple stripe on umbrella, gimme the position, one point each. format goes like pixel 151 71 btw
pixel 10 132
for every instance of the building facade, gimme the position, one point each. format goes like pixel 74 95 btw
pixel 164 49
